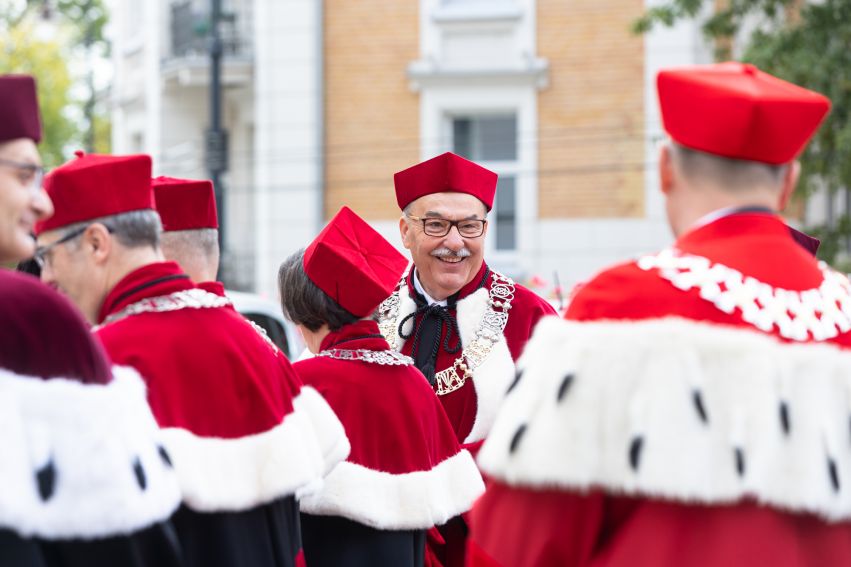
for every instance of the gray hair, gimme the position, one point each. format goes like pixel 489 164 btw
pixel 204 241
pixel 133 229
pixel 304 303
pixel 728 173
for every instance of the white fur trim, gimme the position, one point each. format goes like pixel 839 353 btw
pixel 642 379
pixel 238 474
pixel 92 434
pixel 492 377
pixel 411 501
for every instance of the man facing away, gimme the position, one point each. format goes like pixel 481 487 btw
pixel 242 434
pixel 187 208
pixel 693 409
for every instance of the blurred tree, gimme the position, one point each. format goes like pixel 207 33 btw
pixel 78 32
pixel 23 52
pixel 807 44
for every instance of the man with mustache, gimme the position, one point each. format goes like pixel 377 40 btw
pixel 462 322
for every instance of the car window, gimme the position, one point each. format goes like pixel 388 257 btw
pixel 273 328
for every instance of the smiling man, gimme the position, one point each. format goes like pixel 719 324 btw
pixel 463 323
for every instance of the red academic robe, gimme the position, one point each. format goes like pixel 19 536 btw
pixel 692 410
pixel 506 313
pixel 86 479
pixel 406 471
pixel 243 434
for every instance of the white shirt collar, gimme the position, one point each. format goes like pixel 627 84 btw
pixel 420 289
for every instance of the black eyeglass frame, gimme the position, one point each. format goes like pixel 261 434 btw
pixel 450 224
pixel 40 255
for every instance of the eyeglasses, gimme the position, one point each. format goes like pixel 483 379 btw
pixel 32 175
pixel 436 226
pixel 43 255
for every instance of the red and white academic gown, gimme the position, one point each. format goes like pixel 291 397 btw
pixel 86 481
pixel 692 410
pixel 406 471
pixel 242 433
pixel 495 318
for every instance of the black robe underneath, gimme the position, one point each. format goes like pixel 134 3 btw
pixel 332 541
pixel 264 536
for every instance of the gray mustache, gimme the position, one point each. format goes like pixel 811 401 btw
pixel 447 253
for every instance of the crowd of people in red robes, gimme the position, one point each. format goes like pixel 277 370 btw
pixel 691 407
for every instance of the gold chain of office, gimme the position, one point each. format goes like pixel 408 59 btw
pixel 488 333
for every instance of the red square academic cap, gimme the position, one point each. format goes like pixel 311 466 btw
pixel 93 186
pixel 353 264
pixel 185 204
pixel 445 173
pixel 737 111
pixel 19 117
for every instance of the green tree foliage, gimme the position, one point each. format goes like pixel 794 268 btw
pixel 23 52
pixel 807 44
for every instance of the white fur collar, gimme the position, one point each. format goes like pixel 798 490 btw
pixel 411 501
pixel 80 460
pixel 679 410
pixel 238 474
pixel 492 377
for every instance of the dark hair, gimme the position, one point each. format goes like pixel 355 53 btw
pixel 304 303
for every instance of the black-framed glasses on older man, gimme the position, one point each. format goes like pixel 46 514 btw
pixel 43 253
pixel 30 174
pixel 436 226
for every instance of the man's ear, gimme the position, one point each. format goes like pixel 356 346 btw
pixel 405 232
pixel 790 181
pixel 666 169
pixel 98 242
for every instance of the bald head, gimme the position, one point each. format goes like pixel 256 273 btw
pixel 197 252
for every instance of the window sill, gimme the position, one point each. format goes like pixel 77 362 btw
pixel 482 11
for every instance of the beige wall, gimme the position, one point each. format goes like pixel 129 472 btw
pixel 591 118
pixel 372 117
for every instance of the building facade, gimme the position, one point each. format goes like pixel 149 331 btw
pixel 325 100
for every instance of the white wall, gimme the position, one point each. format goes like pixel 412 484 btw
pixel 287 127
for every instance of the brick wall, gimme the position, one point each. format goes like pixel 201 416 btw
pixel 372 117
pixel 591 118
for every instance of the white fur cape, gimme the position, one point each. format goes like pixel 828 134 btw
pixel 410 501
pixel 680 410
pixel 81 461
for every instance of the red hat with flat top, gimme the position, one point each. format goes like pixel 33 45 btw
pixel 353 264
pixel 93 186
pixel 734 110
pixel 19 117
pixel 185 204
pixel 445 173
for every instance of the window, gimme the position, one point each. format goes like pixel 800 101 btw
pixel 492 141
pixel 486 138
pixel 505 213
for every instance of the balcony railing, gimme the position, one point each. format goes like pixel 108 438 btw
pixel 190 28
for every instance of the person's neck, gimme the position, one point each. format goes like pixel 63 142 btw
pixel 710 202
pixel 130 260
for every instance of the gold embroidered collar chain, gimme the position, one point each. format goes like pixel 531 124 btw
pixel 488 333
